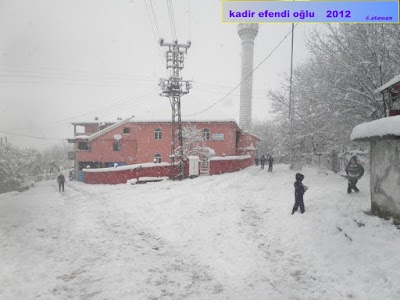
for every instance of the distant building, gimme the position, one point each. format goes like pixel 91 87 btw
pixel 391 96
pixel 128 142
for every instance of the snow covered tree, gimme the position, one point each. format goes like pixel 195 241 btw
pixel 193 141
pixel 273 134
pixel 334 90
pixel 15 164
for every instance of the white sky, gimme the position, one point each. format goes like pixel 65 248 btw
pixel 70 60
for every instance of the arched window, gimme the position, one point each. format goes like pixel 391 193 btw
pixel 158 134
pixel 206 134
pixel 157 158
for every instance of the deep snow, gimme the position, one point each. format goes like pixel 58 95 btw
pixel 229 236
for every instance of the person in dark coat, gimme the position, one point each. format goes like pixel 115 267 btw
pixel 60 181
pixel 256 159
pixel 299 190
pixel 354 172
pixel 262 161
pixel 270 163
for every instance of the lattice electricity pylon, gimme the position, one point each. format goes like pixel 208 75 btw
pixel 174 88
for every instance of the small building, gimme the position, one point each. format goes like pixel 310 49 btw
pixel 384 138
pixel 131 142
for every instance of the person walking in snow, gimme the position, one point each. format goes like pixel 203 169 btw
pixel 256 159
pixel 354 172
pixel 60 181
pixel 299 190
pixel 270 163
pixel 262 161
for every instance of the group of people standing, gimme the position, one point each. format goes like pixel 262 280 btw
pixel 263 160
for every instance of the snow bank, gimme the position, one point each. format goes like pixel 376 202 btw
pixel 242 157
pixel 153 178
pixel 377 128
pixel 233 238
pixel 127 167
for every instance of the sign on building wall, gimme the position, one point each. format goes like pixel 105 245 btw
pixel 217 136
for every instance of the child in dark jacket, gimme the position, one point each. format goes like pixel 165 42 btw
pixel 299 190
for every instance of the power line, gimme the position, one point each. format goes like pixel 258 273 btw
pixel 124 103
pixel 171 20
pixel 173 17
pixel 154 33
pixel 109 108
pixel 10 73
pixel 190 19
pixel 155 19
pixel 72 72
pixel 251 73
pixel 31 136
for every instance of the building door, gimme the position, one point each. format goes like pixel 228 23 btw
pixel 194 166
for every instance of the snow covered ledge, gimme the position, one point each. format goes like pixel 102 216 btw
pixel 376 129
pixel 384 138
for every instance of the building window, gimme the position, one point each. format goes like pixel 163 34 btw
pixel 158 134
pixel 206 134
pixel 83 146
pixel 117 146
pixel 157 158
pixel 127 130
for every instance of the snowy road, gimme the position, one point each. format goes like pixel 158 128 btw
pixel 221 237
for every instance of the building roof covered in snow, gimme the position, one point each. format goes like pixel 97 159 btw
pixel 108 129
pixel 387 127
pixel 89 122
pixel 388 84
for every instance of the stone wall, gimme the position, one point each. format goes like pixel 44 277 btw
pixel 385 178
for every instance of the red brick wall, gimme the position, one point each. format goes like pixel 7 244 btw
pixel 122 176
pixel 228 166
pixel 116 177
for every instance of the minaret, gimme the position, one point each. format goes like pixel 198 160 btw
pixel 247 33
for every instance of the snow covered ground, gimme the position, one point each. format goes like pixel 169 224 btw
pixel 229 236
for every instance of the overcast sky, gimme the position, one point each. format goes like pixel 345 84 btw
pixel 63 61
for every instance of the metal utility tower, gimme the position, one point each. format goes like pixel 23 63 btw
pixel 174 88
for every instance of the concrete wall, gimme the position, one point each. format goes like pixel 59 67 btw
pixel 385 178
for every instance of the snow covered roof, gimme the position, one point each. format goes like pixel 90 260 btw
pixel 251 147
pixel 138 120
pixel 109 128
pixel 389 126
pixel 252 134
pixel 395 80
pixel 242 157
pixel 81 137
pixel 95 122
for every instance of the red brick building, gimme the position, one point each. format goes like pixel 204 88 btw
pixel 129 142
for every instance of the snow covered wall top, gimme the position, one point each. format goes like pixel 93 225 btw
pixel 377 128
